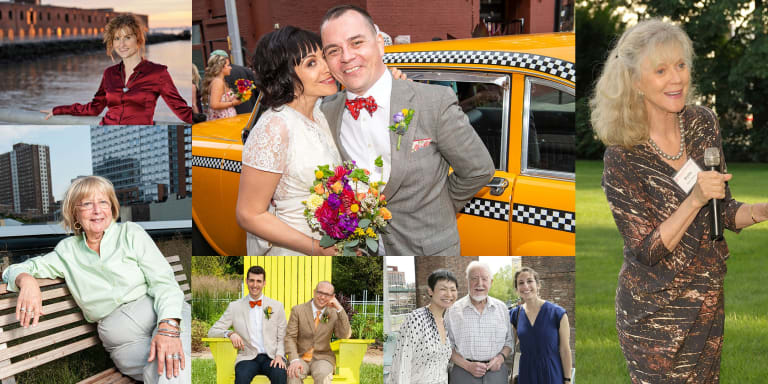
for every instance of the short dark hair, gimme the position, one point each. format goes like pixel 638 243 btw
pixel 339 10
pixel 529 270
pixel 276 55
pixel 256 270
pixel 441 274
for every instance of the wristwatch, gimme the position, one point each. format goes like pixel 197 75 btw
pixel 171 322
pixel 568 379
pixel 227 333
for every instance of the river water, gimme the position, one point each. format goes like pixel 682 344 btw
pixel 32 85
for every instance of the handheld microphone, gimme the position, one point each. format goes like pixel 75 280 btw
pixel 712 163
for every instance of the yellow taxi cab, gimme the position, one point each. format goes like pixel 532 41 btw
pixel 519 95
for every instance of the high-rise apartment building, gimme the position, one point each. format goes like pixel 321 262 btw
pixel 25 180
pixel 145 163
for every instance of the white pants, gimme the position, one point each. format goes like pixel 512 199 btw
pixel 126 334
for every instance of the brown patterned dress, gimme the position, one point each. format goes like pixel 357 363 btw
pixel 669 305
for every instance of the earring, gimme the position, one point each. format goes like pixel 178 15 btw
pixel 78 226
pixel 641 93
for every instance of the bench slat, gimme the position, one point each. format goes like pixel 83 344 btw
pixel 43 358
pixel 42 282
pixel 47 309
pixel 181 277
pixel 44 325
pixel 58 337
pixel 110 376
pixel 173 259
pixel 47 295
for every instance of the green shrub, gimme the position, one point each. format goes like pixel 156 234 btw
pixel 199 330
pixel 367 327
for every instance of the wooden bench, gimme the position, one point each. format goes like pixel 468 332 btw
pixel 65 330
pixel 349 357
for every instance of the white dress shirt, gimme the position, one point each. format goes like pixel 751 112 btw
pixel 257 319
pixel 367 138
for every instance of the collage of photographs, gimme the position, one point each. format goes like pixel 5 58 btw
pixel 386 191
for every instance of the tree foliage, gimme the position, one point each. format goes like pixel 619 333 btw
pixel 503 287
pixel 730 40
pixel 353 275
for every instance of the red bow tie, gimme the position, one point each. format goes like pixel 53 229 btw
pixel 255 303
pixel 354 106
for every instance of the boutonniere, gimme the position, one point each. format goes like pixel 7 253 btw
pixel 324 319
pixel 401 121
pixel 268 312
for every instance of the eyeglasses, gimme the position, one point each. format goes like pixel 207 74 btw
pixel 88 205
pixel 324 294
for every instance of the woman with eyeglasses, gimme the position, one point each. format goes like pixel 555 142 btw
pixel 119 278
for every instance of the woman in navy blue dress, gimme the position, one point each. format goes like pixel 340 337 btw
pixel 542 329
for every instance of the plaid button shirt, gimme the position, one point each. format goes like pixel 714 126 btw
pixel 479 336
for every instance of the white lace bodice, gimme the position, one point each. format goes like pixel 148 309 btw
pixel 285 141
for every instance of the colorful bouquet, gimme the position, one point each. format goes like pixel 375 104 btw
pixel 244 89
pixel 348 211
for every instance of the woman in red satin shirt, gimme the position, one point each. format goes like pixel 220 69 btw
pixel 129 90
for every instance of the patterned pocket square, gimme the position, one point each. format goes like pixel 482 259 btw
pixel 419 144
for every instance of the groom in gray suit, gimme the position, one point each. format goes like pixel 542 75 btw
pixel 259 335
pixel 423 198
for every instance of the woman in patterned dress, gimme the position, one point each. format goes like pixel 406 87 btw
pixel 423 349
pixel 217 96
pixel 669 300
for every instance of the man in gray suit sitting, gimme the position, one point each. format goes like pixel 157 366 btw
pixel 259 335
pixel 423 198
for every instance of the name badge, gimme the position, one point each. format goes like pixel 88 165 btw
pixel 686 176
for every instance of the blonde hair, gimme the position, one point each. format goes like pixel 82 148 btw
pixel 83 188
pixel 129 22
pixel 216 64
pixel 195 75
pixel 618 111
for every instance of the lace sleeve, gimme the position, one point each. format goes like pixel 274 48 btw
pixel 267 146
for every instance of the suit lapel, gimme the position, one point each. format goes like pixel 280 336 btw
pixel 402 98
pixel 335 112
pixel 247 317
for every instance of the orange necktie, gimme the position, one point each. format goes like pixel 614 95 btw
pixel 308 355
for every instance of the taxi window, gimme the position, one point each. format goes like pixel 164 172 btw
pixel 549 139
pixel 482 98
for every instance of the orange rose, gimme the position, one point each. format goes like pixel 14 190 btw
pixel 337 187
pixel 360 196
pixel 319 189
pixel 381 198
pixel 367 172
pixel 385 213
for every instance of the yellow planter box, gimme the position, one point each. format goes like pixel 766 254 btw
pixel 349 358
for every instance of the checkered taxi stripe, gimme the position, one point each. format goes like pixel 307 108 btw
pixel 491 209
pixel 550 65
pixel 544 217
pixel 216 163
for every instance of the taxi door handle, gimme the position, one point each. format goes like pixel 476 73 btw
pixel 497 185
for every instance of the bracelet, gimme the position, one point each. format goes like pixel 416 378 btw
pixel 173 323
pixel 502 356
pixel 168 335
pixel 568 379
pixel 168 331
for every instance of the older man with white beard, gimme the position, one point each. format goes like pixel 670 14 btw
pixel 480 332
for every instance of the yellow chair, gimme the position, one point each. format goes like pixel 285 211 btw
pixel 349 358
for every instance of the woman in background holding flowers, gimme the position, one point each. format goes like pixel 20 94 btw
pixel 216 94
pixel 129 90
pixel 287 144
pixel 423 349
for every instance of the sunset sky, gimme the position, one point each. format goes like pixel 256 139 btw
pixel 162 13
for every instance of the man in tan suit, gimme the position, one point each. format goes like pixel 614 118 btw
pixel 308 339
pixel 259 335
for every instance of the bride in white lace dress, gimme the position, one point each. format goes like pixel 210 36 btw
pixel 287 144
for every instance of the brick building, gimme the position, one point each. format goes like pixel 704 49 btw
pixel 424 265
pixel 25 180
pixel 24 20
pixel 420 20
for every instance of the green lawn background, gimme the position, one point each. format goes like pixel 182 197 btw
pixel 598 260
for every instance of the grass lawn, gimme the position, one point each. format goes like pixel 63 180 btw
pixel 599 258
pixel 204 372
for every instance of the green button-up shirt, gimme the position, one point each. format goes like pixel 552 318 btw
pixel 130 266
